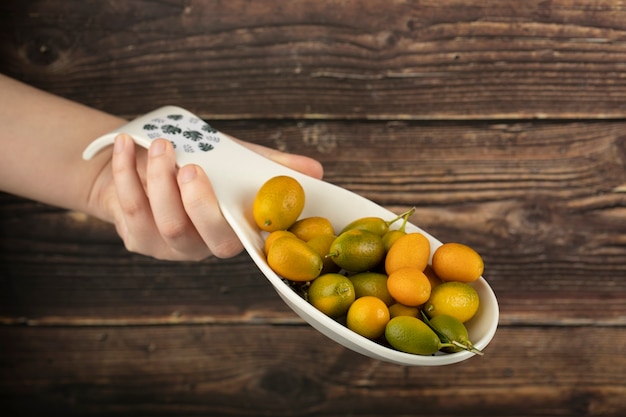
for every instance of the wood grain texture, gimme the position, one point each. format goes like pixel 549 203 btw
pixel 537 200
pixel 501 122
pixel 326 59
pixel 269 371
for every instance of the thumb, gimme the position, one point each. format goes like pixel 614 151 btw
pixel 300 163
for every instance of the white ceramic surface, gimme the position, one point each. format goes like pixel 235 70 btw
pixel 237 173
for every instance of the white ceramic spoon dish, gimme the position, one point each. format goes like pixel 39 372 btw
pixel 237 173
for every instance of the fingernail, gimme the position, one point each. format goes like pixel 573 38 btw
pixel 118 146
pixel 157 148
pixel 187 173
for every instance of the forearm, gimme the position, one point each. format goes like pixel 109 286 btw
pixel 42 140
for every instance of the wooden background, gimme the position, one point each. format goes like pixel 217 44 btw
pixel 504 122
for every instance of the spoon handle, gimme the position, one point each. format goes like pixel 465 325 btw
pixel 225 161
pixel 235 171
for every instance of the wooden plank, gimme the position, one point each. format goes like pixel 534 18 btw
pixel 536 200
pixel 403 60
pixel 430 104
pixel 294 371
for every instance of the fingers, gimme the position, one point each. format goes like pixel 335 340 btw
pixel 174 215
pixel 134 221
pixel 201 205
pixel 172 222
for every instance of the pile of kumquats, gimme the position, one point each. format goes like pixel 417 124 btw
pixel 372 276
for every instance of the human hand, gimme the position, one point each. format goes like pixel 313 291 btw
pixel 169 213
